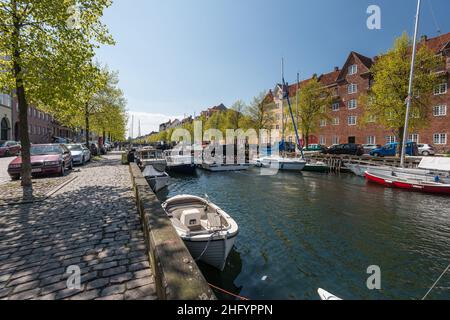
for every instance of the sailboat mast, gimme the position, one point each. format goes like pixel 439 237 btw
pixel 410 90
pixel 282 102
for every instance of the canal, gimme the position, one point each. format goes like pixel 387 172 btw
pixel 302 231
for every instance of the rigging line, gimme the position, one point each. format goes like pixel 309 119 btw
pixel 436 24
pixel 437 281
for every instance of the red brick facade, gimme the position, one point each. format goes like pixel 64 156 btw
pixel 344 125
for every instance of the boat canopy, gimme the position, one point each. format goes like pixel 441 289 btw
pixel 435 163
pixel 150 171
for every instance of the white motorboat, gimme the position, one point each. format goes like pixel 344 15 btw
pixel 285 164
pixel 208 232
pixel 179 162
pixel 157 180
pixel 326 296
pixel 153 157
pixel 214 167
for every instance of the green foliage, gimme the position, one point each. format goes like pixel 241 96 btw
pixel 314 102
pixel 260 114
pixel 386 101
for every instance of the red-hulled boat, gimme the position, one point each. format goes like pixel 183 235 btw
pixel 408 184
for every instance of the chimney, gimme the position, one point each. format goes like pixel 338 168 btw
pixel 424 38
pixel 336 68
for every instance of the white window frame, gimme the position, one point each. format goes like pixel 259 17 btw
pixel 440 111
pixel 372 119
pixel 371 140
pixel 352 88
pixel 323 123
pixel 440 138
pixel 336 107
pixel 438 90
pixel 352 123
pixel 322 140
pixel 415 137
pixel 391 139
pixel 352 104
pixel 335 121
pixel 335 140
pixel 353 69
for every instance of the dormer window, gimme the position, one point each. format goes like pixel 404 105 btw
pixel 353 69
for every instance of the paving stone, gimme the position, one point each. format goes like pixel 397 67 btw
pixel 140 293
pixel 113 290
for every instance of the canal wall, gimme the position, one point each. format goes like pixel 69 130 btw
pixel 177 276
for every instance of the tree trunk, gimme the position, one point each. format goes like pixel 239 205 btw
pixel 306 138
pixel 86 118
pixel 23 106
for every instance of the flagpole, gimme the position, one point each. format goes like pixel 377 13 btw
pixel 410 89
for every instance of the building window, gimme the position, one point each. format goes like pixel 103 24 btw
pixel 335 106
pixel 414 138
pixel 6 100
pixel 322 140
pixel 440 111
pixel 371 140
pixel 352 120
pixel 352 88
pixel 352 104
pixel 440 89
pixel 440 138
pixel 335 122
pixel 335 140
pixel 323 123
pixel 390 139
pixel 353 69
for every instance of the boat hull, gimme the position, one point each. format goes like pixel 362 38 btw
pixel 284 165
pixel 225 168
pixel 182 168
pixel 316 168
pixel 216 253
pixel 158 183
pixel 408 185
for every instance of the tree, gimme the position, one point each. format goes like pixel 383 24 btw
pixel 313 102
pixel 260 114
pixel 235 115
pixel 45 43
pixel 385 103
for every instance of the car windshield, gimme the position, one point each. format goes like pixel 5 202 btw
pixel 74 147
pixel 45 149
pixel 2 143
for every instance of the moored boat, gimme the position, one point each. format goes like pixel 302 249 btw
pixel 208 232
pixel 418 185
pixel 178 162
pixel 284 164
pixel 157 180
pixel 214 167
pixel 320 167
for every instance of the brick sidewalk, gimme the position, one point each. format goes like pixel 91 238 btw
pixel 91 223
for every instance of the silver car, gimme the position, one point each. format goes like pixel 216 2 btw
pixel 426 150
pixel 80 153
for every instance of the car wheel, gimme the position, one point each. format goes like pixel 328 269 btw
pixel 376 155
pixel 71 165
pixel 425 153
pixel 15 178
pixel 7 154
pixel 83 161
pixel 63 170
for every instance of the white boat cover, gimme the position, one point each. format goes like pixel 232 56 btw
pixel 435 163
pixel 150 171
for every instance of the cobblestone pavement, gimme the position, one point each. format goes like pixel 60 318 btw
pixel 91 223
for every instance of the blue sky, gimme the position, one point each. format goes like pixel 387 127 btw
pixel 179 57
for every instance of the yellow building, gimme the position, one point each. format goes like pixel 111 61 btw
pixel 5 117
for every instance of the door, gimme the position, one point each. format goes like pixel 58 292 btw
pixel 351 139
pixel 4 129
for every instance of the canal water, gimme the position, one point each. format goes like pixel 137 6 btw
pixel 302 231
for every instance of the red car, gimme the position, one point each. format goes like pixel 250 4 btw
pixel 9 148
pixel 46 159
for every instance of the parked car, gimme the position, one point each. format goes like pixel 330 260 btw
pixel 390 150
pixel 370 147
pixel 9 148
pixel 46 159
pixel 348 148
pixel 426 150
pixel 94 148
pixel 80 153
pixel 315 148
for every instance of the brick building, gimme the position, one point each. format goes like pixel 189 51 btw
pixel 353 79
pixel 42 127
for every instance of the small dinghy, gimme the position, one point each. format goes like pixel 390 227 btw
pixel 156 179
pixel 326 296
pixel 208 232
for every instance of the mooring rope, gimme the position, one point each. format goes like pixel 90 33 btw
pixel 228 292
